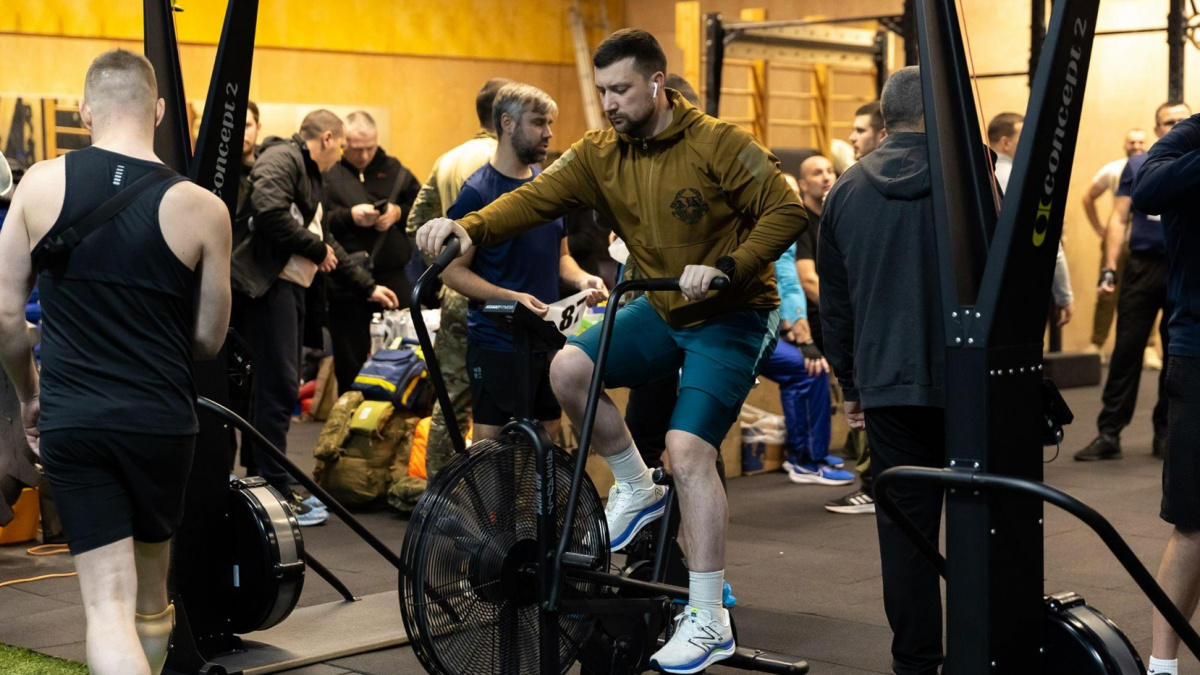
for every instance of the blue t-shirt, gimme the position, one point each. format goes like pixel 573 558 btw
pixel 1146 231
pixel 1170 184
pixel 527 263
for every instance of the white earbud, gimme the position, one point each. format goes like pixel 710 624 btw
pixel 655 94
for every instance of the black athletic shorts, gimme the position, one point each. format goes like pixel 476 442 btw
pixel 109 485
pixel 1181 471
pixel 494 387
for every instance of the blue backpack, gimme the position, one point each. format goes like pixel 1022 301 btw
pixel 399 376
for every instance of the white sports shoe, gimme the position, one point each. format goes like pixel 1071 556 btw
pixel 630 509
pixel 700 640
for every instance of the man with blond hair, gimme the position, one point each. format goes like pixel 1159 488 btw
pixel 437 195
pixel 126 309
pixel 526 268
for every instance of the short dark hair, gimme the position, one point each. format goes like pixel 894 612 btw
pixel 874 111
pixel 318 122
pixel 648 56
pixel 1004 124
pixel 485 98
pixel 676 82
pixel 121 80
pixel 901 102
pixel 1169 104
pixel 252 108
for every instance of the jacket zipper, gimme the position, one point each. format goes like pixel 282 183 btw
pixel 650 201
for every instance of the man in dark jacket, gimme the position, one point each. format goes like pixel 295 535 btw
pixel 366 176
pixel 881 313
pixel 1169 184
pixel 280 243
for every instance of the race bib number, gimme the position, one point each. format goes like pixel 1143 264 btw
pixel 566 314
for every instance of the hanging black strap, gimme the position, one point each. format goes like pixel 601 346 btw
pixel 56 248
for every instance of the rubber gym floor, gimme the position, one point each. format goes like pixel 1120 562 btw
pixel 807 581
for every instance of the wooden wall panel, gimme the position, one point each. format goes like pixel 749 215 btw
pixel 482 29
pixel 1126 82
pixel 431 101
pixel 658 16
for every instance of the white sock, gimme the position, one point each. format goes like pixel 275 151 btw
pixel 705 590
pixel 628 467
pixel 1163 666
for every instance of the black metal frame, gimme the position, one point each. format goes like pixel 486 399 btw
pixel 1176 30
pixel 976 482
pixel 718 34
pixel 552 545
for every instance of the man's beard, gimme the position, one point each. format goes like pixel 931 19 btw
pixel 636 127
pixel 527 152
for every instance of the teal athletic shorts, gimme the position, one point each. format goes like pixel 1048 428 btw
pixel 719 359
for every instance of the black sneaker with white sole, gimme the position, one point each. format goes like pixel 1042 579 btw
pixel 855 502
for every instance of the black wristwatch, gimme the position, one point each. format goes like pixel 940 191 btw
pixel 1107 276
pixel 810 352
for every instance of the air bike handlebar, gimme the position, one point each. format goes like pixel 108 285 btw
pixel 439 265
pixel 594 391
pixel 984 482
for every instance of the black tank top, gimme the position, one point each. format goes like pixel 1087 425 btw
pixel 118 314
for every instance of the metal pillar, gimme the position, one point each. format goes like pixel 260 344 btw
pixel 1037 34
pixel 714 48
pixel 1176 39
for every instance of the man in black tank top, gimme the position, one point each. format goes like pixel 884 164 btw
pixel 112 410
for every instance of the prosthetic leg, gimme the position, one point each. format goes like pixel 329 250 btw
pixel 154 632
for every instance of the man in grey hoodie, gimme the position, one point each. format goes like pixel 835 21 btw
pixel 881 313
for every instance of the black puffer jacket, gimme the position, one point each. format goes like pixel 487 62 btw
pixel 881 297
pixel 285 191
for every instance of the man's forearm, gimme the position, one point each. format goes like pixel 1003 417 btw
pixel 475 287
pixel 1089 207
pixel 812 290
pixel 1114 241
pixel 570 272
pixel 16 355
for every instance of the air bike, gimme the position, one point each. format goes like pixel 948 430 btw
pixel 506 558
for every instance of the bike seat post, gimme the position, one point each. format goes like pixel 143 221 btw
pixel 523 378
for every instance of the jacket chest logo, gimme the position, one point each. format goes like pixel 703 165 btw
pixel 689 206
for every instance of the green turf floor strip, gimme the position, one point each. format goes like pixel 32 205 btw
pixel 17 661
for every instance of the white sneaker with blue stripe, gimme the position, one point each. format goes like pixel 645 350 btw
pixel 701 639
pixel 830 460
pixel 817 473
pixel 630 509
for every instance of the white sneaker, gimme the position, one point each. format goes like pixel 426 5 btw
pixel 700 640
pixel 829 460
pixel 1151 360
pixel 630 509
